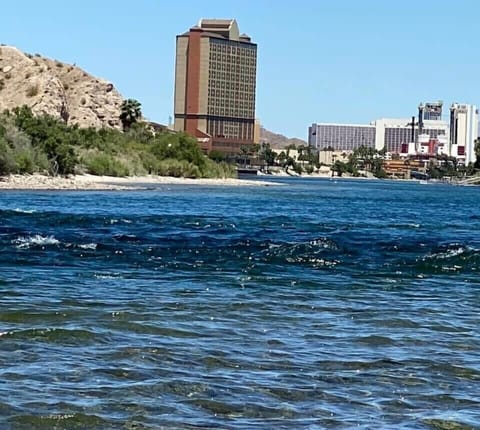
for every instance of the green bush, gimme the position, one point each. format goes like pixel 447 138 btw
pixel 25 162
pixel 7 161
pixel 177 168
pixel 105 165
pixel 216 155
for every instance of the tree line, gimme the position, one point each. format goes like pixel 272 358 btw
pixel 42 144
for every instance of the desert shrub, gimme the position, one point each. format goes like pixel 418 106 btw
pixel 103 164
pixel 132 162
pixel 32 90
pixel 61 156
pixel 83 101
pixel 41 161
pixel 58 64
pixel 218 170
pixel 176 168
pixel 7 161
pixel 2 84
pixel 8 75
pixel 28 75
pixel 25 162
pixel 65 86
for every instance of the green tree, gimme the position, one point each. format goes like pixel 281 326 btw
pixel 217 155
pixel 477 153
pixel 339 167
pixel 282 158
pixel 130 113
pixel 266 154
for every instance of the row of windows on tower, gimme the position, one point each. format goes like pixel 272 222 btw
pixel 230 95
pixel 238 59
pixel 234 107
pixel 231 113
pixel 230 129
pixel 228 67
pixel 217 46
pixel 228 85
pixel 219 76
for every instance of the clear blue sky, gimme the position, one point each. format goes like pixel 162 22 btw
pixel 318 61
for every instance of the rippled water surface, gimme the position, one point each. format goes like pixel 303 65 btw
pixel 316 304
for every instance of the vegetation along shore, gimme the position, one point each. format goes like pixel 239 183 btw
pixel 42 144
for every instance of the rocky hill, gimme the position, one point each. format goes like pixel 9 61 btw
pixel 278 141
pixel 57 89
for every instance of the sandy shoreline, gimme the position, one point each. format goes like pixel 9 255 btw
pixel 92 183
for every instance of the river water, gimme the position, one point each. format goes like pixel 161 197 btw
pixel 314 304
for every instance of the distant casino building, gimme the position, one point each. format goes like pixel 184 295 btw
pixel 431 111
pixel 215 84
pixel 427 134
pixel 397 135
pixel 463 131
pixel 341 137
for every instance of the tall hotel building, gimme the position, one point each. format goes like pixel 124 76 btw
pixel 215 83
pixel 463 131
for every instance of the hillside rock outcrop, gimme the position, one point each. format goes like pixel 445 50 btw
pixel 54 88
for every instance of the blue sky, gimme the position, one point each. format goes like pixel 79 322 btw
pixel 318 61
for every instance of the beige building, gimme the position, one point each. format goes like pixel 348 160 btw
pixel 463 132
pixel 215 85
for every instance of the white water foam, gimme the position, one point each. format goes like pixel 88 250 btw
pixel 88 246
pixel 24 211
pixel 25 242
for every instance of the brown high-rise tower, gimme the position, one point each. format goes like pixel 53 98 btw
pixel 215 80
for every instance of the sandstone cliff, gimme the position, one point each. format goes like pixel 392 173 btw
pixel 54 88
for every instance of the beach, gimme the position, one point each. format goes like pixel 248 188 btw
pixel 92 182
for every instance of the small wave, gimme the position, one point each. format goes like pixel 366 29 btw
pixel 72 420
pixel 107 275
pixel 122 220
pixel 25 242
pixel 451 258
pixel 92 246
pixel 310 253
pixel 24 211
pixel 52 335
pixel 449 253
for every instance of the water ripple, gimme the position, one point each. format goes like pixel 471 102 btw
pixel 318 305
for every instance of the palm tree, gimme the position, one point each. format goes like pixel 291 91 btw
pixel 131 112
